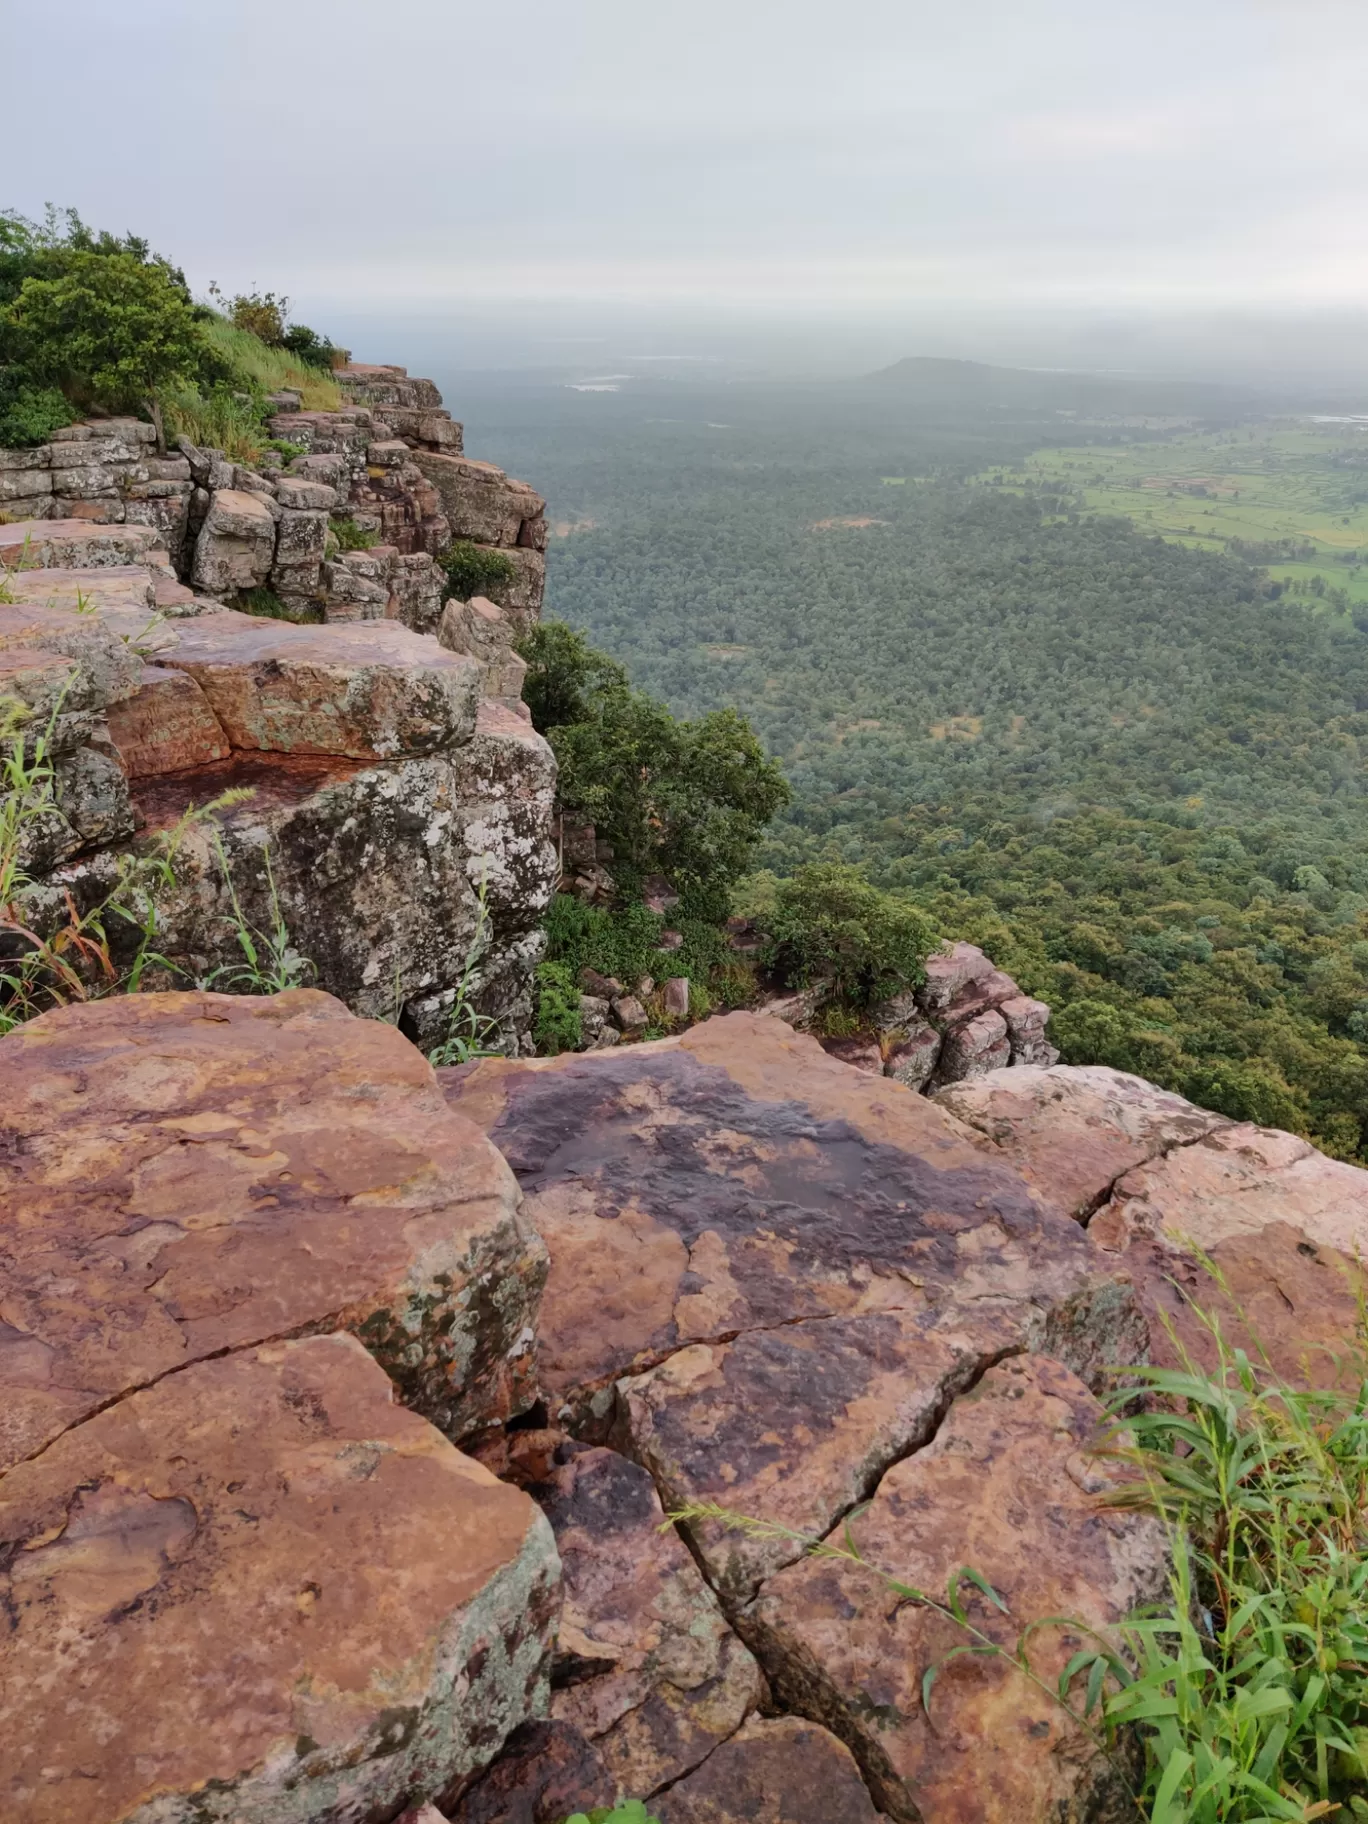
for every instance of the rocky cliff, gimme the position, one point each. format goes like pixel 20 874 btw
pixel 342 1403
pixel 395 803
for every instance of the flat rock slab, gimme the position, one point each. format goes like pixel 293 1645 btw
pixel 782 1771
pixel 117 588
pixel 371 690
pixel 647 1668
pixel 261 1592
pixel 186 1173
pixel 736 1179
pixel 166 726
pixel 1007 1487
pixel 1072 1131
pixel 44 544
pixel 1240 1178
pixel 103 668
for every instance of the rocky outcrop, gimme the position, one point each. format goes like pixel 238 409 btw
pixel 400 802
pixel 253 1270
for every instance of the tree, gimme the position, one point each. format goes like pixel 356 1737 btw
pixel 108 328
pixel 830 924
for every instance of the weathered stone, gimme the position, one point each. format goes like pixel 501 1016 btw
pixel 259 1591
pixel 481 503
pixel 199 1172
pixel 646 1668
pixel 860 1050
pixel 547 1772
pixel 628 1014
pixel 236 544
pixel 593 1016
pixel 355 587
pixel 1008 1488
pixel 301 537
pixel 949 972
pixel 298 492
pixel 913 1054
pixel 1026 1022
pixel 91 791
pixel 674 997
pixel 105 667
pixel 49 544
pixel 482 630
pixel 165 725
pixel 40 680
pixel 390 453
pixel 23 484
pixel 369 691
pixel 781 1771
pixel 28 507
pixel 1072 1131
pixel 975 1048
pixel 40 457
pixel 86 482
pixel 521 595
pixel 736 1179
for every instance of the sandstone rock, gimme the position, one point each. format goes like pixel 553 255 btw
pixel 861 1051
pixel 593 1016
pixel 975 1048
pixel 483 631
pixel 199 1172
pixel 299 492
pixel 1006 1487
pixel 983 994
pixel 261 1590
pixel 647 1668
pixel 165 725
pixel 547 1772
pixel 48 544
pixel 1071 1131
pixel 369 692
pixel 912 1057
pixel 1026 1022
pixel 674 995
pixel 735 1179
pixel 236 544
pixel 629 1014
pixel 23 484
pixel 521 595
pixel 948 973
pixel 481 503
pixel 91 791
pixel 607 986
pixel 781 1771
pixel 103 667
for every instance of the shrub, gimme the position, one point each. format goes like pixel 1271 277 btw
pixel 29 413
pixel 313 350
pixel 260 314
pixel 830 924
pixel 473 569
pixel 351 537
pixel 268 605
pixel 557 1026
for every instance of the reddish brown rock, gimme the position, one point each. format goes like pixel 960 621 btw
pixel 370 691
pixel 737 1179
pixel 861 1052
pixel 1072 1131
pixel 913 1053
pixel 646 1668
pixel 782 1771
pixel 261 1591
pixel 236 543
pixel 1008 1488
pixel 973 1049
pixel 547 1772
pixel 165 725
pixel 189 1173
pixel 44 544
pixel 950 971
pixel 481 503
pixel 1026 1022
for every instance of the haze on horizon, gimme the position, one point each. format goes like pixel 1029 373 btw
pixel 984 179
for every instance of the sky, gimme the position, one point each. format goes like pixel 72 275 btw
pixel 420 155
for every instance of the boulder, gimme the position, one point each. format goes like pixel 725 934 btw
pixel 735 1179
pixel 1071 1131
pixel 165 725
pixel 106 667
pixel 975 1048
pixel 192 1173
pixel 481 503
pixel 628 1014
pixel 674 996
pixel 259 1591
pixel 236 544
pixel 948 972
pixel 861 1051
pixel 912 1056
pixel 368 692
pixel 646 1668
pixel 1026 1022
pixel 781 1770
pixel 1007 1487
pixel 49 544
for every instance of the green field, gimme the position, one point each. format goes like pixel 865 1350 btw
pixel 1289 494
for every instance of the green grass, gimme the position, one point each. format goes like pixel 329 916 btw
pixel 273 368
pixel 1278 480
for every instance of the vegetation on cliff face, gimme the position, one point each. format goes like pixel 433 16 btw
pixel 92 320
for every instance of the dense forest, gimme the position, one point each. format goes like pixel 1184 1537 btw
pixel 1124 766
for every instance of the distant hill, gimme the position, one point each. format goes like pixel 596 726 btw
pixel 1017 391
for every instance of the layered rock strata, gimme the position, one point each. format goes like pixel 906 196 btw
pixel 253 1269
pixel 393 803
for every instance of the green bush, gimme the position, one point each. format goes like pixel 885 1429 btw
pixel 557 1026
pixel 689 800
pixel 29 413
pixel 313 350
pixel 829 924
pixel 622 943
pixel 473 569
pixel 351 537
pixel 260 314
pixel 630 1811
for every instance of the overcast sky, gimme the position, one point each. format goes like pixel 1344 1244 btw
pixel 433 152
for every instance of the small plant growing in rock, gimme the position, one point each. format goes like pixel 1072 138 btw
pixel 630 1811
pixel 472 569
pixel 558 1025
pixel 351 537
pixel 270 962
pixel 469 1034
